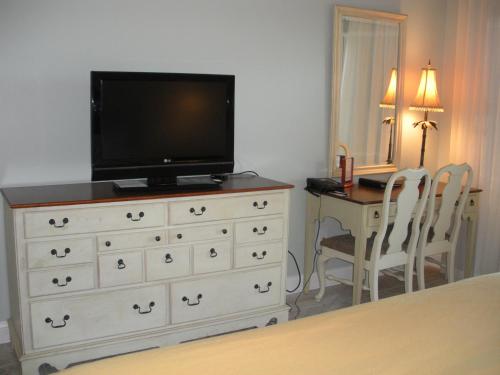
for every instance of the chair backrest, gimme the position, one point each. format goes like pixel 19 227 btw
pixel 410 199
pixel 445 221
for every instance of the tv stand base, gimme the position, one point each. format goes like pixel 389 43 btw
pixel 163 184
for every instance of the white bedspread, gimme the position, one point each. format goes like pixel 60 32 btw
pixel 453 329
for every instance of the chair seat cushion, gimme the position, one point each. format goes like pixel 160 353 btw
pixel 345 244
pixel 430 236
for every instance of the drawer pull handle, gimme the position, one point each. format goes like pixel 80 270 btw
pixel 130 216
pixel 55 280
pixel 157 238
pixel 224 231
pixel 64 222
pixel 260 290
pixel 65 320
pixel 168 258
pixel 472 203
pixel 376 215
pixel 255 255
pixel 121 264
pixel 138 308
pixel 189 303
pixel 179 236
pixel 202 211
pixel 256 205
pixel 66 252
pixel 264 230
pixel 213 253
pixel 108 243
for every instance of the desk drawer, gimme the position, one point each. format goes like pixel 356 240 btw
pixel 168 262
pixel 472 203
pixel 201 210
pixel 259 230
pixel 59 280
pixel 375 214
pixel 61 252
pixel 87 220
pixel 220 295
pixel 120 268
pixel 131 240
pixel 82 318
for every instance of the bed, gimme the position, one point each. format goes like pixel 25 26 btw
pixel 452 329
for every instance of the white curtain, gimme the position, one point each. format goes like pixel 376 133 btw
pixel 369 53
pixel 475 126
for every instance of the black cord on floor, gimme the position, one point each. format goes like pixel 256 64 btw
pixel 298 270
pixel 316 253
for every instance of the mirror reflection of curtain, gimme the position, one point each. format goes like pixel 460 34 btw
pixel 370 50
pixel 475 117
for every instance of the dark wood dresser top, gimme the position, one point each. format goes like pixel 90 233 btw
pixel 102 192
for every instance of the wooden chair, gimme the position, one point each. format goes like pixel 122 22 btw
pixel 389 247
pixel 441 226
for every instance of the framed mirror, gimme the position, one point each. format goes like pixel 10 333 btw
pixel 368 59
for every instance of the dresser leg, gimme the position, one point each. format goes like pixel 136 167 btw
pixel 273 321
pixel 37 367
pixel 46 369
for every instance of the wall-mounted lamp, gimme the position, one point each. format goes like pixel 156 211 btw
pixel 389 101
pixel 427 100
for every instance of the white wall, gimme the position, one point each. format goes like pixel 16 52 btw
pixel 279 50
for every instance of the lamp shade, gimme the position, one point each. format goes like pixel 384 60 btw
pixel 389 100
pixel 427 98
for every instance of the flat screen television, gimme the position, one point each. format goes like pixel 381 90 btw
pixel 161 125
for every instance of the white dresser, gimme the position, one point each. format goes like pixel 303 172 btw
pixel 93 273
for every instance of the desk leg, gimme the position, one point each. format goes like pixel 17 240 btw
pixel 358 269
pixel 312 207
pixel 470 253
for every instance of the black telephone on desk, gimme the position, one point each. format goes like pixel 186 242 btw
pixel 323 185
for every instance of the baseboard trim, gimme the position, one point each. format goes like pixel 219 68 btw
pixel 4 333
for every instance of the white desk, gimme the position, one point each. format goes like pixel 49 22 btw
pixel 359 212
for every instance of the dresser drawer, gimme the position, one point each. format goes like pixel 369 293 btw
pixel 201 210
pixel 58 280
pixel 98 219
pixel 82 318
pixel 61 252
pixel 256 255
pixel 258 205
pixel 259 230
pixel 212 256
pixel 120 268
pixel 219 295
pixel 131 240
pixel 199 233
pixel 168 262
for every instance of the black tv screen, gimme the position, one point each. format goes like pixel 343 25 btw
pixel 161 124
